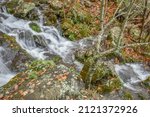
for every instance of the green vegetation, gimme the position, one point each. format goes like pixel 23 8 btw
pixel 35 27
pixel 38 65
pixel 76 20
pixel 127 95
pixel 101 76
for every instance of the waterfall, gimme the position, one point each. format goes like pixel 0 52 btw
pixel 48 40
pixel 38 44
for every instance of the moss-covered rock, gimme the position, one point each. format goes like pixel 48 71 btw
pixel 44 80
pixel 20 8
pixel 100 76
pixel 35 27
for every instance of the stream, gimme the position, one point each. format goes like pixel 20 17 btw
pixel 49 41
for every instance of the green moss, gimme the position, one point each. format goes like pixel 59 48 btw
pixel 35 27
pixel 38 65
pixel 76 30
pixel 51 20
pixel 20 8
pixel 33 72
pixel 127 95
pixel 108 85
pixel 115 84
pixel 78 23
pixel 11 41
pixel 12 82
pixel 12 5
pixel 32 75
pixel 56 59
pixel 102 76
pixel 101 72
pixel 85 70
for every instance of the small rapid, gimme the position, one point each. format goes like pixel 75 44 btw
pixel 37 44
pixel 132 74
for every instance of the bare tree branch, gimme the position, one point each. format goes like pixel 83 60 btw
pixel 120 47
pixel 114 15
pixel 124 25
pixel 143 20
pixel 102 24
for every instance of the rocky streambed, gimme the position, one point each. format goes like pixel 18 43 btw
pixel 37 62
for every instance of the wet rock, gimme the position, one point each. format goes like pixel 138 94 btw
pixel 135 80
pixel 35 27
pixel 14 56
pixel 20 8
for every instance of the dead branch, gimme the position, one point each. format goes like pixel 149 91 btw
pixel 143 20
pixel 124 25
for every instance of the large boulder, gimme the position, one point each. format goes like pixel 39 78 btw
pixel 44 80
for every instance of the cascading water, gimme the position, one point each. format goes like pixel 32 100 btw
pixel 41 17
pixel 37 43
pixel 132 74
pixel 49 41
pixel 5 73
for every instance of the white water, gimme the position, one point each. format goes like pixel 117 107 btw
pixel 38 45
pixel 5 73
pixel 52 42
pixel 40 15
pixel 49 37
pixel 3 67
pixel 5 78
pixel 132 74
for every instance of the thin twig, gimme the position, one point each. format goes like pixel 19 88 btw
pixel 143 20
pixel 124 25
pixel 121 47
pixel 114 16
